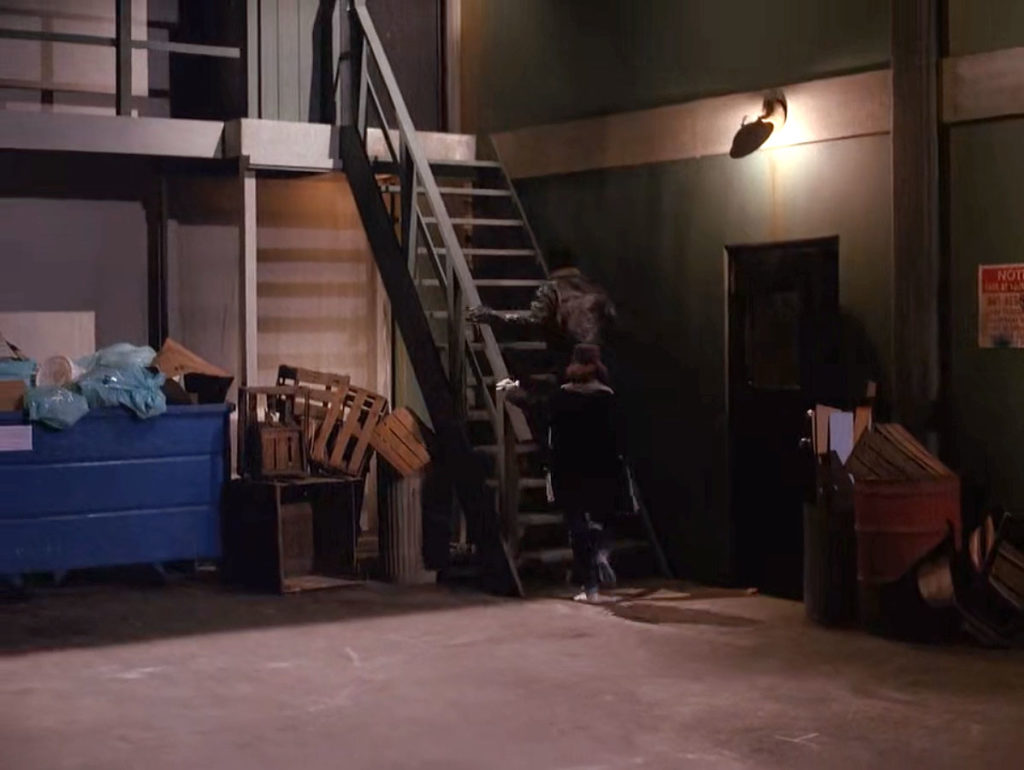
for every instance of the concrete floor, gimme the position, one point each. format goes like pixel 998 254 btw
pixel 193 676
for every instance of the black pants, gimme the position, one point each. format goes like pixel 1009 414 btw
pixel 588 505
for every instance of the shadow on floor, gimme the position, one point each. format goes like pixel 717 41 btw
pixel 121 608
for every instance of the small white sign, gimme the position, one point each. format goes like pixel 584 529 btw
pixel 15 438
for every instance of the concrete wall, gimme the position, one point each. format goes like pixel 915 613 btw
pixel 655 235
pixel 73 237
pixel 77 255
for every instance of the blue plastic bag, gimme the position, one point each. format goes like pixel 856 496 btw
pixel 133 387
pixel 59 408
pixel 122 355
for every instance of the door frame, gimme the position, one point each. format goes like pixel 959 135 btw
pixel 728 257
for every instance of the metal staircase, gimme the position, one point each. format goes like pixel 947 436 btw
pixel 447 236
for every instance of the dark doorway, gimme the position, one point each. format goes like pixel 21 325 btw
pixel 783 340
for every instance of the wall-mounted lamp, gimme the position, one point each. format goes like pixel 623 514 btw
pixel 755 133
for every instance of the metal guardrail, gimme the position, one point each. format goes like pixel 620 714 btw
pixel 123 44
pixel 421 200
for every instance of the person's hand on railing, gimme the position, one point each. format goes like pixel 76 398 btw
pixel 481 314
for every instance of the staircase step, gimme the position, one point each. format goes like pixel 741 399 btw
pixel 476 222
pixel 564 555
pixel 481 192
pixel 539 519
pixel 489 381
pixel 521 449
pixel 523 483
pixel 491 283
pixel 520 346
pixel 471 252
pixel 463 168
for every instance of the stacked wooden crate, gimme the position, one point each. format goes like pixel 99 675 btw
pixel 890 453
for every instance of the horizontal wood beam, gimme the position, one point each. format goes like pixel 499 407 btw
pixel 57 37
pixel 284 145
pixel 191 49
pixel 983 86
pixel 194 49
pixel 976 87
pixel 819 110
pixel 69 132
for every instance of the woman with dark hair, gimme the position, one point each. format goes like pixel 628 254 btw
pixel 586 464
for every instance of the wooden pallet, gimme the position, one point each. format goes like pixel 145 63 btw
pixel 398 439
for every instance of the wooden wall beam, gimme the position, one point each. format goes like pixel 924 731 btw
pixel 819 110
pixel 247 288
pixel 983 86
pixel 916 264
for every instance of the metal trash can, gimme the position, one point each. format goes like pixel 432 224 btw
pixel 400 525
pixel 830 558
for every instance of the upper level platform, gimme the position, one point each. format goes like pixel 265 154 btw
pixel 266 144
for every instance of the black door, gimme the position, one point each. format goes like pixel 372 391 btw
pixel 783 330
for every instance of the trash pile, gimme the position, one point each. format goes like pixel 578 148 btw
pixel 59 391
pixel 917 573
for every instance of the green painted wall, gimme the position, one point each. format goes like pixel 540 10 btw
pixel 984 25
pixel 986 164
pixel 655 235
pixel 986 227
pixel 539 61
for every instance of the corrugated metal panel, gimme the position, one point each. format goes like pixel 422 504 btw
pixel 288 56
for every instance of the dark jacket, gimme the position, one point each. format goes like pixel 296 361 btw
pixel 584 434
pixel 571 309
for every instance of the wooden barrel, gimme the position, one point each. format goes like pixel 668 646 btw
pixel 899 522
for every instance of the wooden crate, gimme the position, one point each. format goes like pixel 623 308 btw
pixel 342 441
pixel 320 387
pixel 341 419
pixel 290 536
pixel 399 440
pixel 270 432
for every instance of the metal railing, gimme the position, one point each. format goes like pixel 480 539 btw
pixel 422 207
pixel 124 44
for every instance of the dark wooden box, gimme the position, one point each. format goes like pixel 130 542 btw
pixel 289 536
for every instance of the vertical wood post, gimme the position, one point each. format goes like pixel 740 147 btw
pixel 123 56
pixel 156 232
pixel 916 263
pixel 247 297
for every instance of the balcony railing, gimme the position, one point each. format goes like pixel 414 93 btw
pixel 123 44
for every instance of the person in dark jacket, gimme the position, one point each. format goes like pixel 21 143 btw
pixel 586 464
pixel 570 308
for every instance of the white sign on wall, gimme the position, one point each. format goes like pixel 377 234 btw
pixel 1001 306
